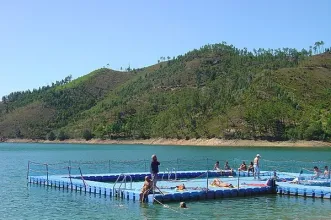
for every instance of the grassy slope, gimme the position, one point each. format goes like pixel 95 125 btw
pixel 35 115
pixel 29 119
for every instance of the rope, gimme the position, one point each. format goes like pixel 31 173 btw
pixel 197 177
pixel 307 170
pixel 168 207
pixel 38 171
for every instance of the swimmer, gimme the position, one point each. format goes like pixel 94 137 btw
pixel 182 205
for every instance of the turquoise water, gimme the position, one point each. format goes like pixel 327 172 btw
pixel 22 201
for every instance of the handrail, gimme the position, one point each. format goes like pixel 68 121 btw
pixel 165 172
pixel 28 171
pixel 81 175
pixel 174 169
pixel 47 172
pixel 69 171
pixel 123 181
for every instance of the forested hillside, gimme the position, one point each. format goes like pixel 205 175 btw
pixel 217 91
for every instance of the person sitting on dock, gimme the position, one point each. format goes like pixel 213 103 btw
pixel 326 172
pixel 251 168
pixel 220 183
pixel 146 188
pixel 317 172
pixel 227 167
pixel 217 166
pixel 243 167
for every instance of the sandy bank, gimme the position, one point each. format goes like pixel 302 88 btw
pixel 191 142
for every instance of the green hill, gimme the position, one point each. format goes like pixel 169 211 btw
pixel 216 91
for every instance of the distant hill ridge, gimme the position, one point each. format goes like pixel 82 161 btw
pixel 217 91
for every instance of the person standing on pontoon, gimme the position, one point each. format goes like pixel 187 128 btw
pixel 257 166
pixel 154 170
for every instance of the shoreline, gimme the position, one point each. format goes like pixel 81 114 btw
pixel 192 142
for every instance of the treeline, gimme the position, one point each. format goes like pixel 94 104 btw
pixel 22 98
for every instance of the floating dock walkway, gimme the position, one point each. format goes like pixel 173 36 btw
pixel 305 186
pixel 197 185
pixel 128 185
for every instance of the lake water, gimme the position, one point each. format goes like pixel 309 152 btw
pixel 22 201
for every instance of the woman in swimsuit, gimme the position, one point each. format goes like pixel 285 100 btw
pixel 220 183
pixel 148 184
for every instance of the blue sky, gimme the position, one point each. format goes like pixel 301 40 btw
pixel 44 41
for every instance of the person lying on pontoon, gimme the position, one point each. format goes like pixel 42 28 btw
pixel 220 183
pixel 181 187
pixel 148 184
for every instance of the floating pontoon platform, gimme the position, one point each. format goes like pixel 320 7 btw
pixel 197 183
pixel 129 185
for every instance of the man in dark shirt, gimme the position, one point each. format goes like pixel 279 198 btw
pixel 154 169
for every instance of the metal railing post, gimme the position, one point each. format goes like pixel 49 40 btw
pixel 238 179
pixel 69 170
pixel 207 180
pixel 145 165
pixel 47 172
pixel 28 171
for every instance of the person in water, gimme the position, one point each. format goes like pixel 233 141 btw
pixel 146 188
pixel 182 205
pixel 243 167
pixel 220 183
